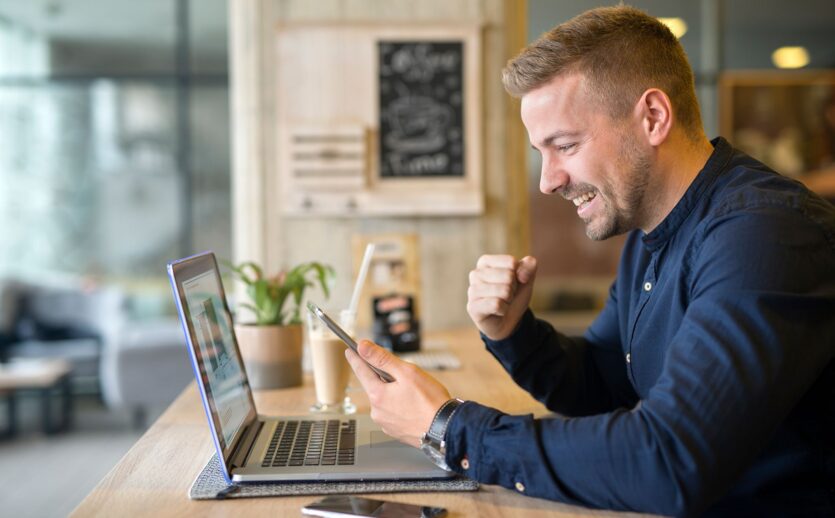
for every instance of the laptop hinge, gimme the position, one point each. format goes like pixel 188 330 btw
pixel 245 445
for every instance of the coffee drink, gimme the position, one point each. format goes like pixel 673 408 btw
pixel 330 368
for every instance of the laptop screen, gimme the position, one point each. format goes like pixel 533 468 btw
pixel 215 351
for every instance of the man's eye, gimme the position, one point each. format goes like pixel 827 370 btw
pixel 566 147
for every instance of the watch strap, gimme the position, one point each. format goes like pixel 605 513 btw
pixel 437 429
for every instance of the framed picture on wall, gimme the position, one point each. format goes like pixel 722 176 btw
pixel 785 119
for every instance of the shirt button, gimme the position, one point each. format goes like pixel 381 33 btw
pixel 520 487
pixel 628 358
pixel 647 286
pixel 465 463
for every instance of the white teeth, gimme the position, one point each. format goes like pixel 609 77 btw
pixel 579 200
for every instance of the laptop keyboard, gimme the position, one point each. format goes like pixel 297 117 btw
pixel 312 443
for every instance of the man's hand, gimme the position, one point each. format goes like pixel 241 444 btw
pixel 500 291
pixel 404 409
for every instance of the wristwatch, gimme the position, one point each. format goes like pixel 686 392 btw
pixel 432 442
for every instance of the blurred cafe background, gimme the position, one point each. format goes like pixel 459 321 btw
pixel 134 133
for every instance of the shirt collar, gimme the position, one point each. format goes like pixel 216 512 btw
pixel 722 152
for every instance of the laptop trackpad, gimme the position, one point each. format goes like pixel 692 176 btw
pixel 380 440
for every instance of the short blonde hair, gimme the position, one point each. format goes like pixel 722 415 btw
pixel 620 51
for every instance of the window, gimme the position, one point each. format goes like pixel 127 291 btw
pixel 114 125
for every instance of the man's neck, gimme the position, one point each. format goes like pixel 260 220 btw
pixel 678 164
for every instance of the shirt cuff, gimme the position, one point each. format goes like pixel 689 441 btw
pixel 463 438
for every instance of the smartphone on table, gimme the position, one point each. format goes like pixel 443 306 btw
pixel 345 337
pixel 344 506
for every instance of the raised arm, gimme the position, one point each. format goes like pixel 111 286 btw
pixel 570 375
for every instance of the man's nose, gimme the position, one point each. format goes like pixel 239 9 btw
pixel 551 180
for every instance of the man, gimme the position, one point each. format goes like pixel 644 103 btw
pixel 707 383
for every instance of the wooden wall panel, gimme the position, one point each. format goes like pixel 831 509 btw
pixel 449 246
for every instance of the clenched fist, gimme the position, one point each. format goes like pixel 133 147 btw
pixel 499 294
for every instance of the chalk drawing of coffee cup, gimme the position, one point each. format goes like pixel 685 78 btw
pixel 417 124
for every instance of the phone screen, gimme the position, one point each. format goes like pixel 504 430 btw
pixel 354 506
pixel 345 337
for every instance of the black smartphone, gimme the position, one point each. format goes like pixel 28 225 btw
pixel 343 506
pixel 345 337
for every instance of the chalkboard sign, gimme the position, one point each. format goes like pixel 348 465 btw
pixel 421 109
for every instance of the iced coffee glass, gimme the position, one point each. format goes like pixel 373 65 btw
pixel 330 368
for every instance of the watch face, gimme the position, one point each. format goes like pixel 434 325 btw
pixel 434 455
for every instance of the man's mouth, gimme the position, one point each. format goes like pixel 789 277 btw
pixel 583 200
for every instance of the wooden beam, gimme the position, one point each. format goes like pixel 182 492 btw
pixel 517 211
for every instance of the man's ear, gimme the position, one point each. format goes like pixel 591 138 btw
pixel 655 111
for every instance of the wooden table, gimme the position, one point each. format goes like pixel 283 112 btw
pixel 154 476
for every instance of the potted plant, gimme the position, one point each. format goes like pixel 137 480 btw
pixel 271 346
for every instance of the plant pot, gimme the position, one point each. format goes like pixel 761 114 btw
pixel 272 355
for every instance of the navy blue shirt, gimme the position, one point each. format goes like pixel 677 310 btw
pixel 706 384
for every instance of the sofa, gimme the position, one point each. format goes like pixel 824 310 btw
pixel 135 366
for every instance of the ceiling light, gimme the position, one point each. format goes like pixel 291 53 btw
pixel 676 25
pixel 790 57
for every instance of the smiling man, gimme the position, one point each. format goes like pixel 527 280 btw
pixel 707 383
pixel 599 164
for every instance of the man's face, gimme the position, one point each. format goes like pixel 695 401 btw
pixel 587 157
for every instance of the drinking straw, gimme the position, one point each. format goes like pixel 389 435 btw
pixel 366 261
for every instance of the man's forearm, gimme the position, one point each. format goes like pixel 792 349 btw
pixel 559 371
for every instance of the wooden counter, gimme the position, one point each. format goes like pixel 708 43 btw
pixel 154 476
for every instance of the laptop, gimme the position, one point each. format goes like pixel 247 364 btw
pixel 256 448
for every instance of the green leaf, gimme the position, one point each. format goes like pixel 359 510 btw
pixel 325 274
pixel 268 297
pixel 248 306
